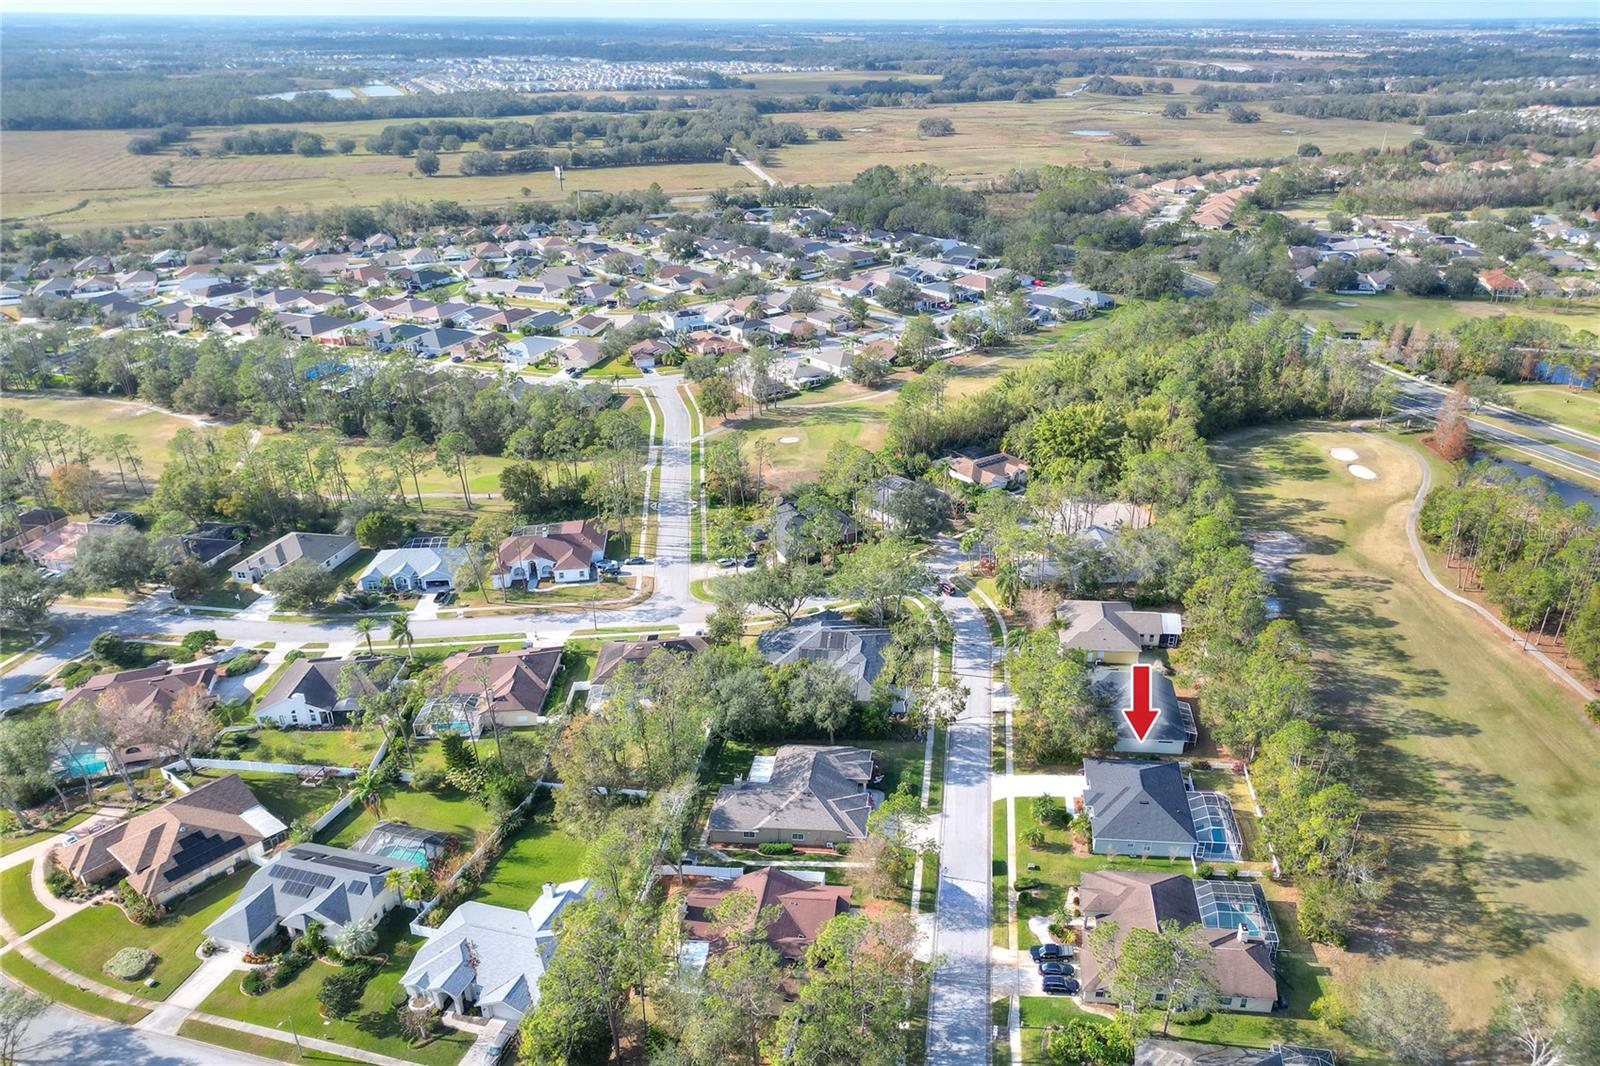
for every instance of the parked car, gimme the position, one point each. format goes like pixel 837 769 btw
pixel 1060 986
pixel 1055 968
pixel 725 562
pixel 947 589
pixel 1041 952
pixel 445 598
pixel 637 560
pixel 608 566
pixel 750 559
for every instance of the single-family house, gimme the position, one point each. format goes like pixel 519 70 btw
pixel 802 530
pixel 811 795
pixel 313 693
pixel 1500 285
pixel 423 568
pixel 799 909
pixel 853 648
pixel 327 550
pixel 484 687
pixel 613 653
pixel 576 356
pixel 589 325
pixel 1228 919
pixel 488 959
pixel 995 470
pixel 1111 631
pixel 1138 808
pixel 1173 731
pixel 171 850
pixel 309 883
pixel 563 552
pixel 885 489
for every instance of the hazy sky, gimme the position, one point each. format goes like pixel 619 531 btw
pixel 1053 10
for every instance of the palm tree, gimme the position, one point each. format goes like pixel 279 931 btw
pixel 365 627
pixel 400 632
pixel 368 792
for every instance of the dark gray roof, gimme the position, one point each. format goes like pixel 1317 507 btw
pixel 811 787
pixel 1115 687
pixel 854 649
pixel 319 547
pixel 318 681
pixel 1142 801
pixel 788 517
pixel 330 885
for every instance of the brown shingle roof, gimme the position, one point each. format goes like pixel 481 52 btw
pixel 804 908
pixel 518 680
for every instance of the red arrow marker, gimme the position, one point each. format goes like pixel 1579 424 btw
pixel 1141 716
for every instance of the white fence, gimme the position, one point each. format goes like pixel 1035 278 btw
pixel 266 767
pixel 721 873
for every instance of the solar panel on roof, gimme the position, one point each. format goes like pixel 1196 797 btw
pixel 197 850
pixel 344 862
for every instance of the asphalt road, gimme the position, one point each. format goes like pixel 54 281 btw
pixel 63 1036
pixel 958 1009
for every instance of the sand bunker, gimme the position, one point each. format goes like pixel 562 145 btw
pixel 1344 455
pixel 788 440
pixel 1363 473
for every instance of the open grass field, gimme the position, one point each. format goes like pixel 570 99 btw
pixel 992 138
pixel 1435 314
pixel 815 432
pixel 373 1026
pixel 150 427
pixel 83 942
pixel 22 910
pixel 77 178
pixel 1578 408
pixel 1480 769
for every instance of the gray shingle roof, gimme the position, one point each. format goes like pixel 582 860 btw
pixel 855 650
pixel 812 788
pixel 318 681
pixel 318 547
pixel 331 885
pixel 1142 801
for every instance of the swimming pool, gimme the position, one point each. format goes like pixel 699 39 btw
pixel 406 854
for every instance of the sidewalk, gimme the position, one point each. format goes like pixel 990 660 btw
pixel 186 998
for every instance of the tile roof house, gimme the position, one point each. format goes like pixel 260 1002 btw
pixel 420 569
pixel 1232 919
pixel 853 648
pixel 563 552
pixel 1500 285
pixel 489 959
pixel 1173 732
pixel 327 550
pixel 180 845
pixel 307 692
pixel 1138 808
pixel 308 883
pixel 994 471
pixel 517 683
pixel 143 691
pixel 804 907
pixel 1111 631
pixel 806 794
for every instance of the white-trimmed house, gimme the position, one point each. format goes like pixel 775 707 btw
pixel 414 569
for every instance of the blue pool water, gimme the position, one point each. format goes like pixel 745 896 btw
pixel 400 851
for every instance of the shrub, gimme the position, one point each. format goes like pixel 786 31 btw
pixel 288 967
pixel 199 639
pixel 253 984
pixel 243 664
pixel 75 674
pixel 130 964
pixel 312 942
pixel 341 992
pixel 1205 870
pixel 182 655
pixel 300 831
pixel 842 848
pixel 113 649
pixel 59 882
pixel 140 911
pixel 428 781
pixel 1202 764
pixel 208 947
pixel 1592 709
pixel 773 848
pixel 1191 1017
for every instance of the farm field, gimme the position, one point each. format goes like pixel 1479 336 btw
pixel 1480 767
pixel 1578 408
pixel 87 177
pixel 1353 312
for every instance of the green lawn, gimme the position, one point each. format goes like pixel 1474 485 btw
pixel 373 1027
pixel 251 1044
pixel 283 794
pixel 83 942
pixel 52 987
pixel 540 852
pixel 815 432
pixel 22 909
pixel 449 811
pixel 1578 408
pixel 577 663
pixel 17 841
pixel 1479 767
pixel 329 747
